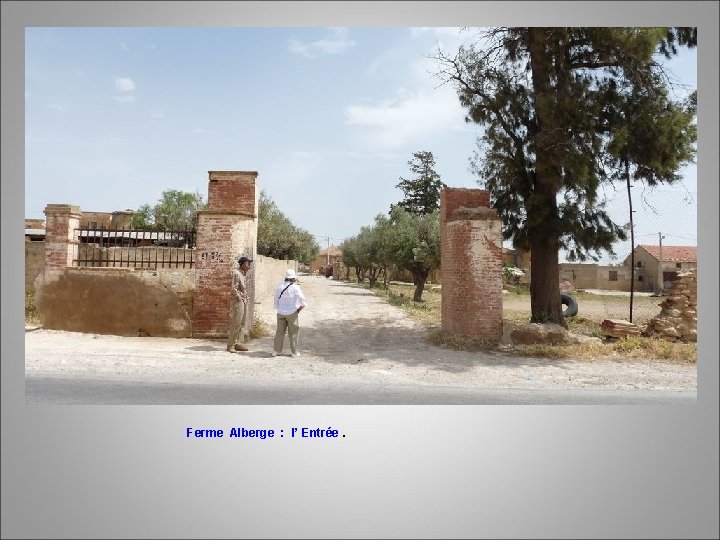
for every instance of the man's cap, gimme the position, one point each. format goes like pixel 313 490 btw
pixel 290 274
pixel 244 260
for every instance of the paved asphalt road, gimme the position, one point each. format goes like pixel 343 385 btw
pixel 47 391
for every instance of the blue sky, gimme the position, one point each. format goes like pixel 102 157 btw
pixel 329 117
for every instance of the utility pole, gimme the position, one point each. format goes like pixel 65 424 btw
pixel 327 239
pixel 661 281
pixel 632 240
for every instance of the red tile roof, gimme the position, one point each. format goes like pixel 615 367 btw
pixel 673 253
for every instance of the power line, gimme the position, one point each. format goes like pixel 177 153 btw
pixel 668 235
pixel 328 238
pixel 681 237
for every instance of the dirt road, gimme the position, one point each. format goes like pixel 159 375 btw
pixel 348 335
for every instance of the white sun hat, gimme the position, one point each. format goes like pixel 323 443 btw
pixel 290 274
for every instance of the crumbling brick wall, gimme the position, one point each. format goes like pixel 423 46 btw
pixel 471 264
pixel 677 320
pixel 175 302
pixel 118 301
pixel 34 263
pixel 225 231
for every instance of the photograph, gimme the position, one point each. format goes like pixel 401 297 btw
pixel 360 269
pixel 175 178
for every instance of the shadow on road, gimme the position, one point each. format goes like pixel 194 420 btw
pixel 355 341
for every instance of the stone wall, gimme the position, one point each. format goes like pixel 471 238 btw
pixel 593 276
pixel 622 283
pixel 119 301
pixel 582 276
pixel 471 264
pixel 34 223
pixel 268 274
pixel 135 301
pixel 175 302
pixel 677 320
pixel 34 263
pixel 406 276
pixel 96 220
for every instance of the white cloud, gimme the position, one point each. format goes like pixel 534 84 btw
pixel 336 42
pixel 204 131
pixel 124 46
pixel 447 39
pixel 408 117
pixel 57 107
pixel 124 84
pixel 414 57
pixel 386 63
pixel 124 99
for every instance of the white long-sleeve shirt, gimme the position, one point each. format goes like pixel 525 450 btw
pixel 291 300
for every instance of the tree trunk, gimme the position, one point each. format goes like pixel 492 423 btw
pixel 545 304
pixel 373 275
pixel 542 210
pixel 419 279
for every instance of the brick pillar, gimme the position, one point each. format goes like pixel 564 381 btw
pixel 61 220
pixel 225 231
pixel 471 264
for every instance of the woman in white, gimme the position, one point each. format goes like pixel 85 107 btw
pixel 289 302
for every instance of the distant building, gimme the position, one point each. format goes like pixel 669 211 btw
pixel 34 230
pixel 120 219
pixel 649 268
pixel 519 258
pixel 34 251
pixel 647 271
pixel 330 255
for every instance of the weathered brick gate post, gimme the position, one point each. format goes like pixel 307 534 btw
pixel 225 231
pixel 471 264
pixel 61 220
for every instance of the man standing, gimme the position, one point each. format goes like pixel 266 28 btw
pixel 240 299
pixel 289 301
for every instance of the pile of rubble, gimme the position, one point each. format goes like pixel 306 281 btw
pixel 677 320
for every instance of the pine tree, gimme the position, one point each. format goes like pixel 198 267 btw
pixel 549 101
pixel 422 193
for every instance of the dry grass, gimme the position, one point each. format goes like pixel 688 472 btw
pixel 622 348
pixel 31 313
pixel 259 329
pixel 460 343
pixel 428 312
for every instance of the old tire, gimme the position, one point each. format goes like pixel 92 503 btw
pixel 571 303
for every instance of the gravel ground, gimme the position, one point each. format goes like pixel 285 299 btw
pixel 347 335
pixel 605 305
